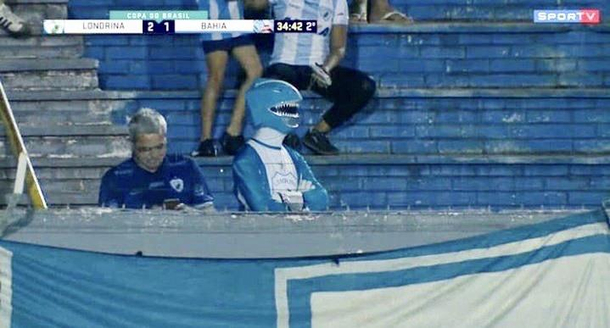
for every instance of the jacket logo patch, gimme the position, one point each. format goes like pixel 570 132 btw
pixel 284 181
pixel 177 184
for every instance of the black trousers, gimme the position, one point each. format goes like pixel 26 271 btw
pixel 350 91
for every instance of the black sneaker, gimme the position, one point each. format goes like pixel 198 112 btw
pixel 12 23
pixel 318 142
pixel 293 141
pixel 231 144
pixel 207 148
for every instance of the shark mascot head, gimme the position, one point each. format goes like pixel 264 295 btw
pixel 274 104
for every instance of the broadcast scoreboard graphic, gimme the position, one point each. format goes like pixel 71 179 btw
pixel 173 22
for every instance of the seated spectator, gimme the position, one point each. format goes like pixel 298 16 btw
pixel 376 12
pixel 269 176
pixel 12 23
pixel 312 62
pixel 217 47
pixel 150 179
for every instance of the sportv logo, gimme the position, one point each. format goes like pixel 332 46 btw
pixel 582 16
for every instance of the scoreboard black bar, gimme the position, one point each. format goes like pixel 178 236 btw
pixel 154 27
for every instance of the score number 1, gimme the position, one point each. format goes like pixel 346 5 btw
pixel 164 27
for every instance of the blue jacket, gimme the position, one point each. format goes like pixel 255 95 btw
pixel 252 185
pixel 130 186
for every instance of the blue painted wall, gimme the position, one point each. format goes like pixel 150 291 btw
pixel 411 123
pixel 484 84
pixel 445 182
pixel 466 55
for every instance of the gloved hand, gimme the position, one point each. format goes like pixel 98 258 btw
pixel 320 76
pixel 305 186
pixel 294 200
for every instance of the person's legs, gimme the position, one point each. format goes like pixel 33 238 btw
pixel 216 62
pixel 251 64
pixel 350 91
pixel 382 12
pixel 358 11
pixel 248 59
pixel 298 76
pixel 12 23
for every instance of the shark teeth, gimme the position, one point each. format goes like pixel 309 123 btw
pixel 286 109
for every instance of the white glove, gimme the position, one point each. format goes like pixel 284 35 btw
pixel 294 200
pixel 305 186
pixel 320 76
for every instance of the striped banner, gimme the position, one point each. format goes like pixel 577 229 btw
pixel 551 274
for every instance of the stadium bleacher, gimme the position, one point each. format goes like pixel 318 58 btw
pixel 477 106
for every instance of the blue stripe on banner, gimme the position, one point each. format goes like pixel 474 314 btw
pixel 78 289
pixel 299 291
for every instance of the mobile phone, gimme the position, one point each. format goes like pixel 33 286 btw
pixel 171 203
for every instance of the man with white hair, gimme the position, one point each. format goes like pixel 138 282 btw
pixel 149 178
pixel 12 23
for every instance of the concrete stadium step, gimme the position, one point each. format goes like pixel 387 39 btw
pixel 417 121
pixel 79 107
pixel 64 192
pixel 481 55
pixel 412 121
pixel 64 182
pixel 36 65
pixel 84 113
pixel 88 141
pixel 51 80
pixel 36 11
pixel 71 130
pixel 56 46
pixel 377 181
pixel 49 74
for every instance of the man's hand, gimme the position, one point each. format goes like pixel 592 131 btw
pixel 174 204
pixel 320 76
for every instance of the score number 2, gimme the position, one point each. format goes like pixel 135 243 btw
pixel 164 27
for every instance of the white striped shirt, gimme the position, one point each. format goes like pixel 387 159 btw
pixel 306 48
pixel 221 9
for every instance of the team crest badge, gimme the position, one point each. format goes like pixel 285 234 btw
pixel 284 181
pixel 177 184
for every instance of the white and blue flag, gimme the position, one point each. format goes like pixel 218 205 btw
pixel 546 275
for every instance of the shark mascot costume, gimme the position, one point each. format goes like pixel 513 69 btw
pixel 267 175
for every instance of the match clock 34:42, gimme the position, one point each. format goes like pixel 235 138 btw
pixel 296 26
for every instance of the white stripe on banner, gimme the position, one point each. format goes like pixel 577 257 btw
pixel 6 287
pixel 564 292
pixel 283 275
